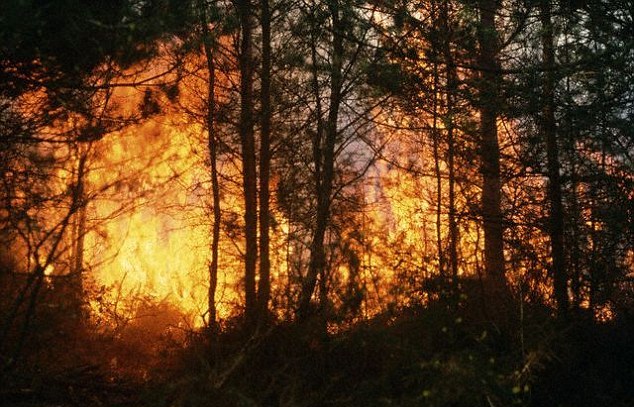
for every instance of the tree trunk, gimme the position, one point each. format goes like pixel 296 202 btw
pixel 78 232
pixel 452 89
pixel 436 145
pixel 249 176
pixel 490 149
pixel 549 129
pixel 264 286
pixel 325 154
pixel 212 145
pixel 309 282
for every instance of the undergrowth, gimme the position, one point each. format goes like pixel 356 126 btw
pixel 433 356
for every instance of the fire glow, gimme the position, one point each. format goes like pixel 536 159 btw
pixel 157 243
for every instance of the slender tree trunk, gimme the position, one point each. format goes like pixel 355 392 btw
pixel 489 148
pixel 78 236
pixel 324 178
pixel 453 224
pixel 436 147
pixel 549 129
pixel 574 211
pixel 575 251
pixel 249 174
pixel 452 89
pixel 438 174
pixel 309 282
pixel 212 145
pixel 264 284
pixel 76 277
pixel 79 233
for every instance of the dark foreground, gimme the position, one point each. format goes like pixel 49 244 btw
pixel 422 358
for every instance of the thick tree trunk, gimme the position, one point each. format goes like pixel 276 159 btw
pixel 212 145
pixel 549 129
pixel 264 284
pixel 490 149
pixel 249 175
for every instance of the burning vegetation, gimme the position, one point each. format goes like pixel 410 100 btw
pixel 316 203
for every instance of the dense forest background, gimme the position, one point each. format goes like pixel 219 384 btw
pixel 310 203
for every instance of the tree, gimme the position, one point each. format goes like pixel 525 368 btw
pixel 58 66
pixel 488 107
pixel 264 283
pixel 324 156
pixel 247 140
pixel 212 145
pixel 549 130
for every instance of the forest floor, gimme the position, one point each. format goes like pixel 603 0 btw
pixel 85 386
pixel 421 357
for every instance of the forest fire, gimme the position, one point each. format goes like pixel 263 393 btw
pixel 316 203
pixel 157 245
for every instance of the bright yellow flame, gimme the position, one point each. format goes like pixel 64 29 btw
pixel 153 240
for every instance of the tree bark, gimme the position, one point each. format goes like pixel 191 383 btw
pixel 249 175
pixel 264 284
pixel 549 129
pixel 212 145
pixel 78 234
pixel 452 89
pixel 324 153
pixel 436 142
pixel 489 148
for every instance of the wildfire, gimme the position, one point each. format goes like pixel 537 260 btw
pixel 151 229
pixel 146 229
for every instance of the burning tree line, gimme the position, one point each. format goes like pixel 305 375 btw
pixel 383 153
